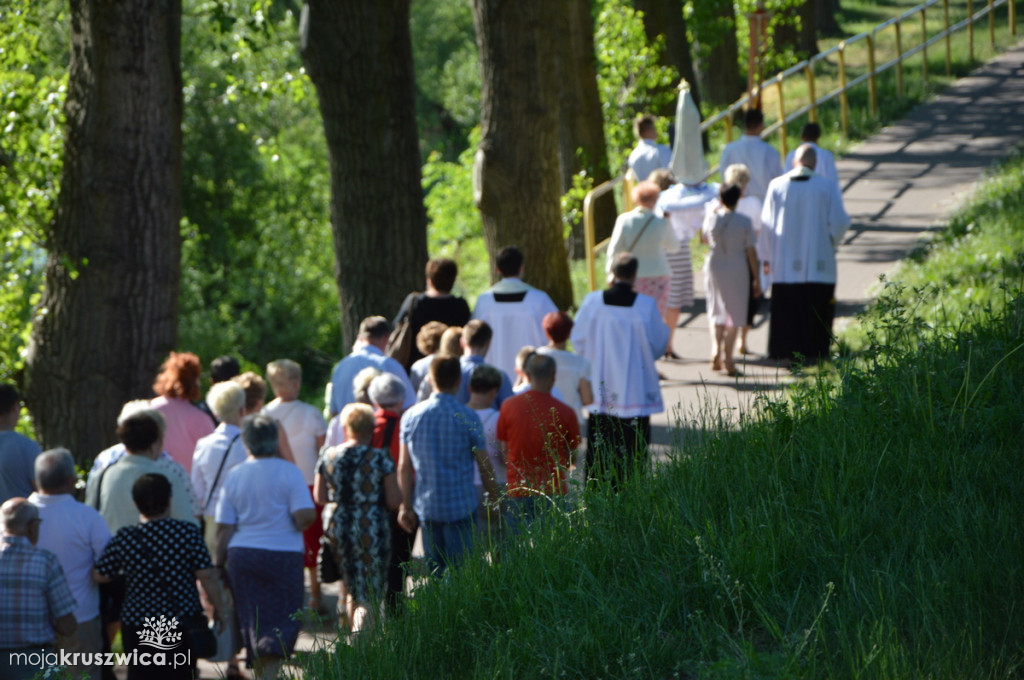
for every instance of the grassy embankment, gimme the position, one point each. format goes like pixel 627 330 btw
pixel 867 527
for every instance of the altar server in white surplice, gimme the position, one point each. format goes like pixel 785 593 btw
pixel 648 155
pixel 760 157
pixel 826 165
pixel 514 310
pixel 621 333
pixel 806 220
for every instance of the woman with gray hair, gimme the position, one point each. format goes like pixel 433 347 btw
pixel 263 509
pixel 388 395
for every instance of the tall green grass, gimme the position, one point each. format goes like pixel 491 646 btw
pixel 867 526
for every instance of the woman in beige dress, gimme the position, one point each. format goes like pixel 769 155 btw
pixel 731 273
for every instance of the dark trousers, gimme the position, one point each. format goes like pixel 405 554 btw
pixel 616 447
pixel 801 321
pixel 401 552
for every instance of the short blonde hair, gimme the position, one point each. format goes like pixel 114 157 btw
pixel 646 193
pixel 255 389
pixel 451 341
pixel 429 337
pixel 283 369
pixel 738 174
pixel 226 400
pixel 522 355
pixel 361 384
pixel 358 419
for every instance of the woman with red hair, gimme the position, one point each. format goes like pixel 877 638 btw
pixel 176 387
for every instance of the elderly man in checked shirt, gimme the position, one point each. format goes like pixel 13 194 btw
pixel 35 601
pixel 440 440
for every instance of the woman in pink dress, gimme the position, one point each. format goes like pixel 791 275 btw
pixel 176 387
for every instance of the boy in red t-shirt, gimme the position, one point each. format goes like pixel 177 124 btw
pixel 539 435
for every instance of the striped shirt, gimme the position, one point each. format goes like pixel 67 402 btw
pixel 33 593
pixel 441 435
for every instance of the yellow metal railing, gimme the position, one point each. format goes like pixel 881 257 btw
pixel 806 68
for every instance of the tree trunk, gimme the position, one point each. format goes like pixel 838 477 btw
pixel 110 307
pixel 718 64
pixel 516 175
pixel 797 29
pixel 827 14
pixel 665 17
pixel 359 56
pixel 580 122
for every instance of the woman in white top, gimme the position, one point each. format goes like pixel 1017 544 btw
pixel 262 511
pixel 649 238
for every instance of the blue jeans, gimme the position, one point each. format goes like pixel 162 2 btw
pixel 445 543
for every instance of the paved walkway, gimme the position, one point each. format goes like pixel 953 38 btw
pixel 899 186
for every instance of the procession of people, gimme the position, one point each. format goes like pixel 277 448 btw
pixel 212 509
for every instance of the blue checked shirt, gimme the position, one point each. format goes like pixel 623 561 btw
pixel 441 435
pixel 33 593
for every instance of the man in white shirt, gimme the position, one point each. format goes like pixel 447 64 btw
pixel 760 157
pixel 806 220
pixel 76 534
pixel 648 155
pixel 621 333
pixel 514 311
pixel 826 165
pixel 367 352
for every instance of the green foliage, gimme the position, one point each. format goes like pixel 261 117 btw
pixel 32 88
pixel 630 78
pixel 454 227
pixel 447 74
pixel 257 254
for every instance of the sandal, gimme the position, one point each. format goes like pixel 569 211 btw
pixel 233 673
pixel 716 363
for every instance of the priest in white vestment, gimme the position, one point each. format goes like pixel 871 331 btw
pixel 514 310
pixel 805 219
pixel 621 333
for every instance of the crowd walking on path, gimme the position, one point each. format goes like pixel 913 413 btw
pixel 212 511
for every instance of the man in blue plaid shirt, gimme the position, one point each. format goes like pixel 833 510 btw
pixel 35 601
pixel 440 439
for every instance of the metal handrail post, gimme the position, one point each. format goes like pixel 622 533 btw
pixel 844 104
pixel 588 239
pixel 949 49
pixel 809 71
pixel 782 119
pixel 872 85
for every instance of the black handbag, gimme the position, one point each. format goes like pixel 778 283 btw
pixel 326 566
